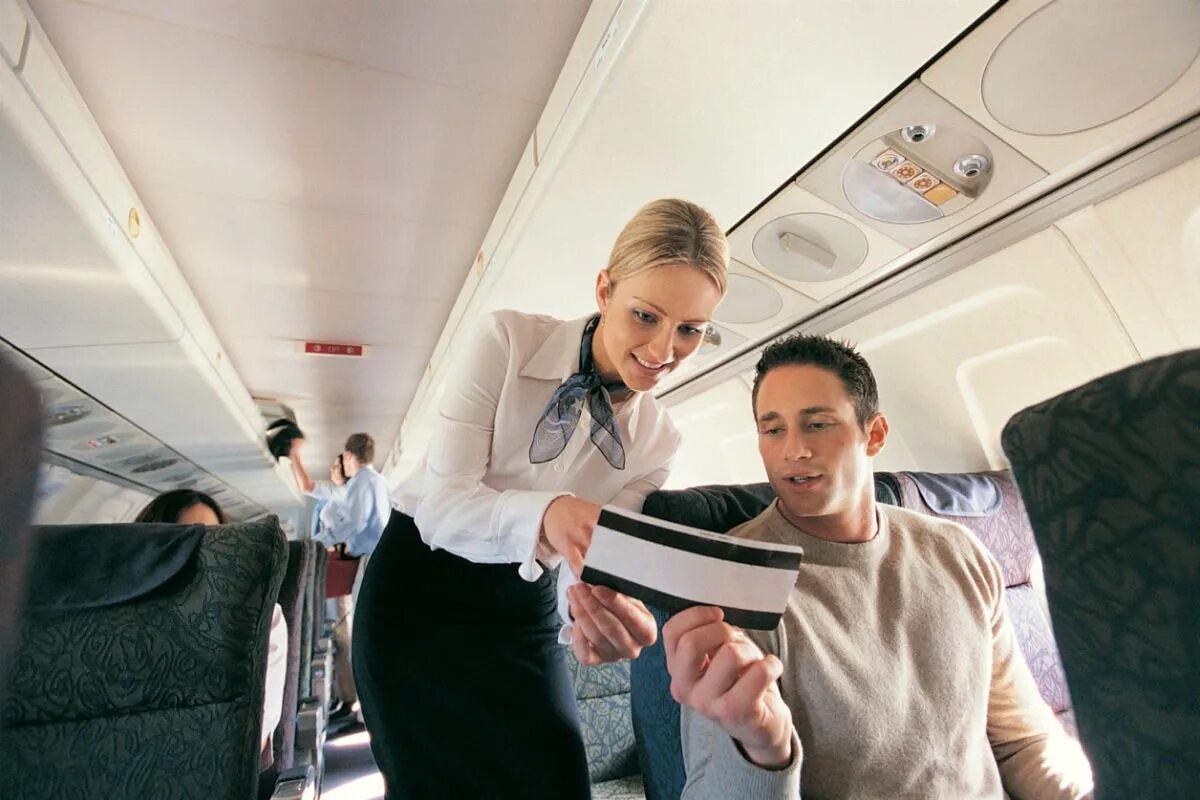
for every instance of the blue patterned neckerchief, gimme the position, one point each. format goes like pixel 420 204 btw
pixel 558 422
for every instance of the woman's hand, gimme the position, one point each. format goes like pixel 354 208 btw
pixel 609 626
pixel 567 526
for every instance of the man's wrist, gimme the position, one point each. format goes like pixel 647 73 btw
pixel 774 758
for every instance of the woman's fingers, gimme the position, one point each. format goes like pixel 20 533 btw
pixel 635 620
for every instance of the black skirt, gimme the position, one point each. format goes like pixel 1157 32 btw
pixel 464 687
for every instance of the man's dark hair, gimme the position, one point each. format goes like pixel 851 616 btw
pixel 169 505
pixel 820 351
pixel 362 447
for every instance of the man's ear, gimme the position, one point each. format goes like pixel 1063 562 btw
pixel 603 290
pixel 877 433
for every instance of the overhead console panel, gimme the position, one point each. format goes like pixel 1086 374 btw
pixel 919 168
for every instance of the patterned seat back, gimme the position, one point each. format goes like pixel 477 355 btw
pixel 989 504
pixel 155 691
pixel 655 713
pixel 20 449
pixel 292 600
pixel 602 694
pixel 1110 473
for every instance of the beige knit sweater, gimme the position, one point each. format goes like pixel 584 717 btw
pixel 903 675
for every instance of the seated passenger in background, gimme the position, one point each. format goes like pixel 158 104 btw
pixel 895 671
pixel 188 507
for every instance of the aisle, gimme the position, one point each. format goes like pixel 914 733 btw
pixel 350 771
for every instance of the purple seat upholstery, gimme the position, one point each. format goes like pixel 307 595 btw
pixel 1004 529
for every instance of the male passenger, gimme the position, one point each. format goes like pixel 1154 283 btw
pixel 353 518
pixel 895 672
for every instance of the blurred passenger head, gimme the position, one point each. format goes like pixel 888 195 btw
pixel 668 270
pixel 358 453
pixel 816 407
pixel 183 507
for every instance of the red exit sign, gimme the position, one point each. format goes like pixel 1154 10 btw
pixel 335 349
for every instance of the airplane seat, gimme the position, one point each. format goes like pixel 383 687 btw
pixel 989 505
pixel 311 710
pixel 140 668
pixel 1110 473
pixel 292 594
pixel 602 694
pixel 655 712
pixel 20 451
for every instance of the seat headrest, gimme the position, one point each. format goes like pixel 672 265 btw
pixel 20 450
pixel 987 503
pixel 93 566
pixel 968 494
pixel 720 508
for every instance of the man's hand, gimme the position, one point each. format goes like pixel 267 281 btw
pixel 609 626
pixel 567 526
pixel 336 475
pixel 718 672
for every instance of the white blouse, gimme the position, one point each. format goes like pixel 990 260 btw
pixel 475 493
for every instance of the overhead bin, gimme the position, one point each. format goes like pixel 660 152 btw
pixel 90 290
pixel 1069 83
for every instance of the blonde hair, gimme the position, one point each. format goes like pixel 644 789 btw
pixel 670 232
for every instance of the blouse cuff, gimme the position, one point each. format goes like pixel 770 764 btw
pixel 522 525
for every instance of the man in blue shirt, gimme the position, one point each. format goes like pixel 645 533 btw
pixel 354 513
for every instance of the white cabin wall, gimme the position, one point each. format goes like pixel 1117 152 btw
pixel 720 443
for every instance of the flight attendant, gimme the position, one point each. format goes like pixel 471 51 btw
pixel 456 650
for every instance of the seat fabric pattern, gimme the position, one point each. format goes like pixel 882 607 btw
pixel 602 694
pixel 1008 536
pixel 1110 472
pixel 157 697
pixel 628 788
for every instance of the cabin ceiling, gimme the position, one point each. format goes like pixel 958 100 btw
pixel 327 171
pixel 320 171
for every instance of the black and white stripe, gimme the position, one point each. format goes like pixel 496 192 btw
pixel 674 567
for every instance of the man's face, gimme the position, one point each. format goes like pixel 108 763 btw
pixel 817 455
pixel 350 464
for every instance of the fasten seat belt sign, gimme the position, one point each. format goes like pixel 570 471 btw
pixel 674 567
pixel 335 349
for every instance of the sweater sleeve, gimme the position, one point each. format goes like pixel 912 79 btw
pixel 717 770
pixel 1036 757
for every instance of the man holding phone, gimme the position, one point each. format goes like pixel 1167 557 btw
pixel 354 510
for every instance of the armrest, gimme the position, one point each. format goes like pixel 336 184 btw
pixel 297 783
pixel 310 724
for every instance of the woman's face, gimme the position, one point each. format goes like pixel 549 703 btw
pixel 197 514
pixel 652 321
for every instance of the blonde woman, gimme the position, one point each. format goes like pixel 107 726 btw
pixel 461 676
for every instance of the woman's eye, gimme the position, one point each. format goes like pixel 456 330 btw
pixel 642 316
pixel 692 330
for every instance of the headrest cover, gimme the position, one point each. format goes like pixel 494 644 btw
pixel 959 495
pixel 92 566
